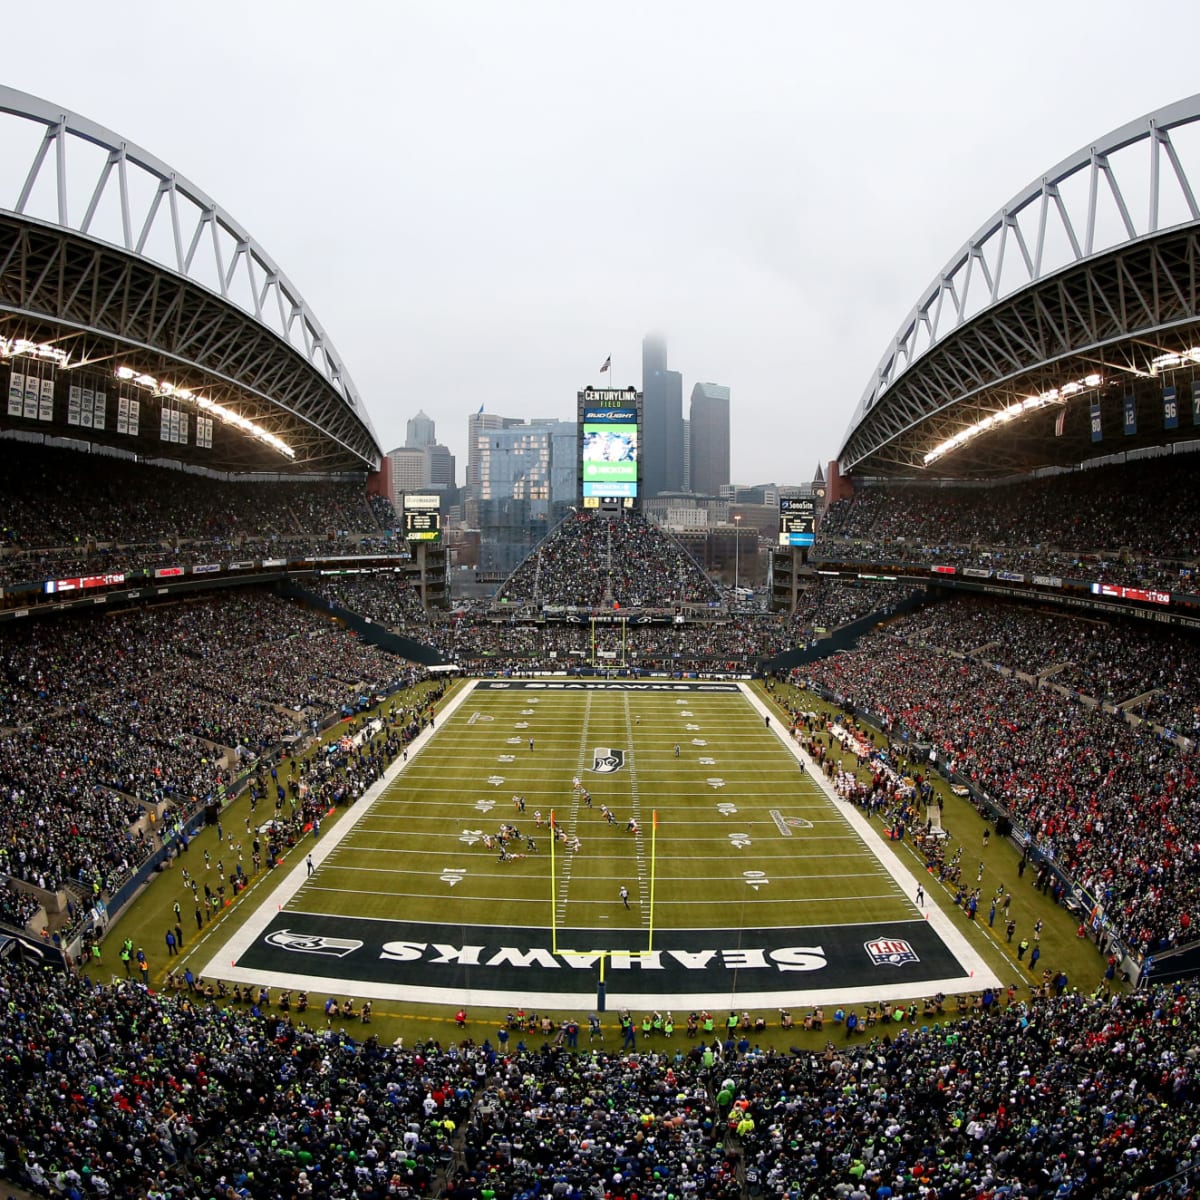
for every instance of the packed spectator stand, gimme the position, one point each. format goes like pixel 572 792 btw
pixel 113 719
pixel 592 560
pixel 1133 524
pixel 119 1091
pixel 70 514
pixel 1113 804
pixel 691 642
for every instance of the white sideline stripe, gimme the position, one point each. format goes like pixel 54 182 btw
pixel 321 849
pixel 575 1001
pixel 953 937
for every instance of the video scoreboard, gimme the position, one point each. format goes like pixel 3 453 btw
pixel 422 518
pixel 610 423
pixel 797 520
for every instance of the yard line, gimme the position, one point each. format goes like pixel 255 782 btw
pixel 757 901
pixel 563 883
pixel 776 845
pixel 723 858
pixel 643 879
pixel 538 900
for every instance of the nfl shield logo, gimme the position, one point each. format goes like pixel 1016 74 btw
pixel 606 760
pixel 890 952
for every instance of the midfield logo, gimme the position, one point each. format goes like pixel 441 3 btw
pixel 605 760
pixel 312 943
pixel 890 952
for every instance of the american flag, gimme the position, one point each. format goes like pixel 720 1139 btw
pixel 607 364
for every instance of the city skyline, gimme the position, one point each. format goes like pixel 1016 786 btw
pixel 464 240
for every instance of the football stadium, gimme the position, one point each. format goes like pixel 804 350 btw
pixel 315 882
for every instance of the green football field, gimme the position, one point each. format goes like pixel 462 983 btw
pixel 742 874
pixel 743 835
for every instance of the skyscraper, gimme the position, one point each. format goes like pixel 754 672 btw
pixel 662 420
pixel 439 467
pixel 479 425
pixel 421 432
pixel 709 438
pixel 407 473
pixel 526 476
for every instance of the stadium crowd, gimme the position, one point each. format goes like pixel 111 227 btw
pixel 119 1091
pixel 68 514
pixel 502 640
pixel 1114 660
pixel 385 597
pixel 111 719
pixel 1115 806
pixel 1133 524
pixel 589 561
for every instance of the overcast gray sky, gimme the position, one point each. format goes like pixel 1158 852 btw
pixel 481 201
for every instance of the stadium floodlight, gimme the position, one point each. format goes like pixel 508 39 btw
pixel 1166 362
pixel 1010 412
pixel 24 348
pixel 167 390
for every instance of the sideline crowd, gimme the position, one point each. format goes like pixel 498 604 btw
pixel 1114 805
pixel 117 1091
pixel 119 726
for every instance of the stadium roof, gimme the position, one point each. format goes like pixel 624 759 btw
pixel 109 259
pixel 1082 290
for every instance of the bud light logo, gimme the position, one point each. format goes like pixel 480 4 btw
pixel 890 952
pixel 606 760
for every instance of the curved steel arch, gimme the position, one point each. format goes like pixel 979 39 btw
pixel 1041 234
pixel 205 245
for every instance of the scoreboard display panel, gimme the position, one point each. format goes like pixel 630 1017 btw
pixel 422 518
pixel 797 520
pixel 609 452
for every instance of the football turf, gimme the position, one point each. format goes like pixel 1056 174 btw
pixel 743 876
pixel 743 835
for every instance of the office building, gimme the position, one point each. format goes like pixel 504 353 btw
pixel 439 468
pixel 662 425
pixel 526 481
pixel 406 473
pixel 479 426
pixel 421 432
pixel 709 435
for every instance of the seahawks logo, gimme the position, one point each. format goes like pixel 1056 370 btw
pixel 312 943
pixel 606 760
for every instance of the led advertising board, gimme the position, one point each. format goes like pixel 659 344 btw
pixel 797 520
pixel 422 518
pixel 609 452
